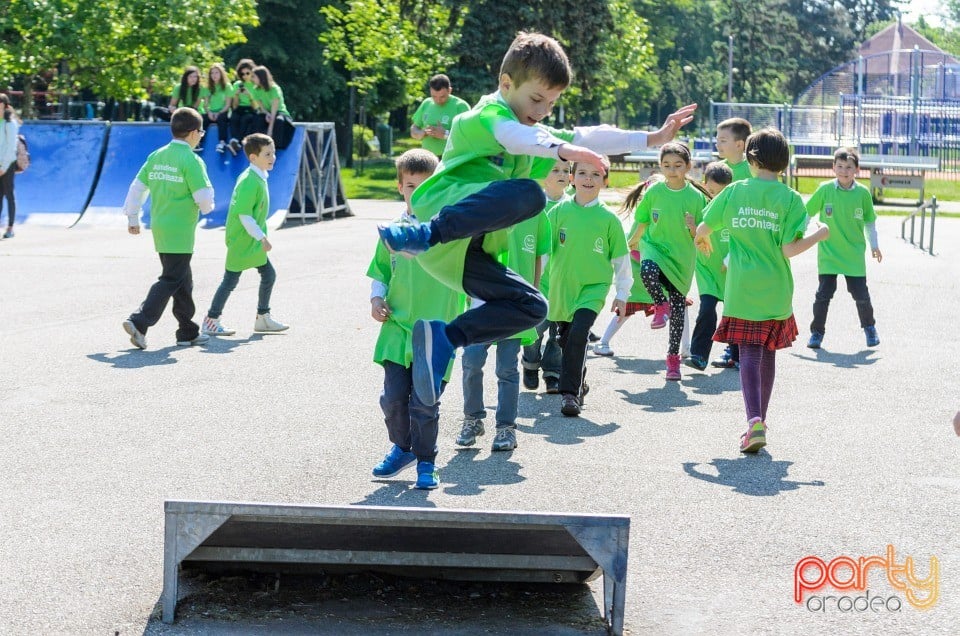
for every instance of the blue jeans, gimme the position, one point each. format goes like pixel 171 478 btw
pixel 411 424
pixel 268 276
pixel 508 381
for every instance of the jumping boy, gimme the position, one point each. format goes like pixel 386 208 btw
pixel 176 178
pixel 846 207
pixel 402 293
pixel 484 187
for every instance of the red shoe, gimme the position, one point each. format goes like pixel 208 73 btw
pixel 661 314
pixel 673 367
pixel 755 438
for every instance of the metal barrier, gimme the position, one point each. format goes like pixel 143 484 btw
pixel 471 545
pixel 922 211
pixel 319 191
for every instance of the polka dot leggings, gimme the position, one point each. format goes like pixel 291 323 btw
pixel 655 281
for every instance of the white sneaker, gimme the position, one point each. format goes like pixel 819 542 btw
pixel 265 322
pixel 222 147
pixel 212 327
pixel 201 339
pixel 602 349
pixel 136 338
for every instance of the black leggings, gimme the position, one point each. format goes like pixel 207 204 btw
pixel 654 280
pixel 572 337
pixel 6 192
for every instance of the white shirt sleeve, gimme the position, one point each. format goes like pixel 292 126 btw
pixel 377 288
pixel 136 195
pixel 250 225
pixel 609 140
pixel 8 142
pixel 534 141
pixel 872 236
pixel 204 200
pixel 623 276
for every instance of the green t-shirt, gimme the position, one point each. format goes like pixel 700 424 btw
pixel 217 99
pixel 192 98
pixel 173 174
pixel 266 99
pixel 527 242
pixel 667 240
pixel 244 98
pixel 250 198
pixel 586 240
pixel 551 218
pixel 638 293
pixel 429 114
pixel 740 170
pixel 711 272
pixel 412 294
pixel 472 160
pixel 845 212
pixel 762 216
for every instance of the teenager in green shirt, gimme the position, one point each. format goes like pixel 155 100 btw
pixel 590 252
pixel 433 118
pixel 766 221
pixel 846 207
pixel 243 115
pixel 666 218
pixel 402 293
pixel 483 187
pixel 274 119
pixel 246 238
pixel 186 93
pixel 176 180
pixel 731 140
pixel 216 98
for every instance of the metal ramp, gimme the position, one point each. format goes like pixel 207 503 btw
pixel 318 191
pixel 447 544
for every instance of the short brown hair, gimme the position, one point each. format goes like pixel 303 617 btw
pixel 416 161
pixel 439 82
pixel 536 56
pixel 847 154
pixel 768 149
pixel 718 172
pixel 184 121
pixel 254 143
pixel 740 128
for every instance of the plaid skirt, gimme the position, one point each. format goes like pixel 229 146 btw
pixel 770 334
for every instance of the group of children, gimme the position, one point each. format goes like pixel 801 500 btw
pixel 252 103
pixel 528 262
pixel 176 180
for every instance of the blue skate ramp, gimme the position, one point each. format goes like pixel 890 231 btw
pixel 131 143
pixel 63 167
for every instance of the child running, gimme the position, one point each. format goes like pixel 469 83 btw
pixel 402 293
pixel 246 238
pixel 665 221
pixel 589 249
pixel 537 355
pixel 711 272
pixel 766 221
pixel 484 187
pixel 845 207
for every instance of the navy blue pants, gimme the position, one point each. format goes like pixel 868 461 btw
pixel 511 304
pixel 176 282
pixel 856 285
pixel 411 424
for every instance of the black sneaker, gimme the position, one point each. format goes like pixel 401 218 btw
pixel 553 385
pixel 592 337
pixel 531 379
pixel 584 389
pixel 569 405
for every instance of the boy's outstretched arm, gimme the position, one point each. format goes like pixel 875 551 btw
pixel 136 195
pixel 801 245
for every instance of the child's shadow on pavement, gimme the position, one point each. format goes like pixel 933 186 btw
pixel 704 383
pixel 660 399
pixel 841 360
pixel 397 493
pixel 466 473
pixel 227 345
pixel 566 431
pixel 757 476
pixel 640 366
pixel 137 358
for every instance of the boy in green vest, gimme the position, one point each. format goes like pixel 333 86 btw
pixel 246 237
pixel 484 186
pixel 402 293
pixel 176 180
pixel 846 207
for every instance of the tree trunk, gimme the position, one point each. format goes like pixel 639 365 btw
pixel 351 117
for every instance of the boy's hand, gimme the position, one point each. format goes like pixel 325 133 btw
pixel 620 307
pixel 379 309
pixel 133 229
pixel 675 121
pixel 578 154
pixel 877 255
pixel 822 233
pixel 703 244
pixel 266 244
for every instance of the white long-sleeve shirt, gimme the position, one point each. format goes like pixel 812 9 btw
pixel 8 142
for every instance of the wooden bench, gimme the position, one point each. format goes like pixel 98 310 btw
pixel 886 171
pixel 648 163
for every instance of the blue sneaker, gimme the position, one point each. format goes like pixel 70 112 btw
pixel 873 338
pixel 816 339
pixel 428 477
pixel 697 362
pixel 393 462
pixel 432 353
pixel 407 238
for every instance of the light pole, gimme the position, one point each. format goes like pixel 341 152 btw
pixel 730 68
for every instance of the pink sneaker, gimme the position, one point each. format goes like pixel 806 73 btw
pixel 661 314
pixel 673 367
